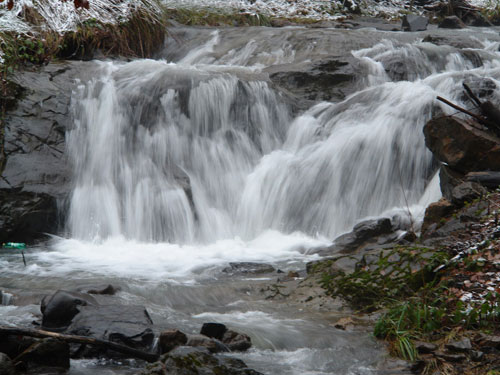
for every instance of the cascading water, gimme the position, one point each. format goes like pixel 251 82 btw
pixel 186 165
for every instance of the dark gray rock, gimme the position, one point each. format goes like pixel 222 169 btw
pixel 467 192
pixel 462 346
pixel 330 80
pixel 487 178
pixel 248 268
pixel 448 180
pixel 109 289
pixel 412 22
pixel 490 341
pixel 362 233
pixel 171 339
pixel 214 330
pixel 211 344
pixel 196 361
pixel 6 366
pixel 25 216
pixel 34 171
pixel 59 309
pixel 45 353
pixel 125 324
pixel 236 341
pixel 476 356
pixel 452 22
pixel 12 345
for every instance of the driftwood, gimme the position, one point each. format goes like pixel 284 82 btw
pixel 490 115
pixel 149 357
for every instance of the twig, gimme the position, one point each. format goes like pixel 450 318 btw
pixel 473 97
pixel 477 117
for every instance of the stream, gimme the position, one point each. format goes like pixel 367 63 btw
pixel 199 158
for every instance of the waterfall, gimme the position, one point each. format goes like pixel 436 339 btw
pixel 206 149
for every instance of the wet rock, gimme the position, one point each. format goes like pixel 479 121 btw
pixel 457 41
pixel 214 330
pixel 14 345
pixel 425 347
pixel 59 309
pixel 436 211
pixel 330 80
pixel 36 171
pixel 460 145
pixel 212 345
pixel 236 341
pixel 125 324
pixel 195 361
pixel 452 22
pixel 462 346
pixel 466 192
pixel 412 22
pixel 46 353
pixel 6 366
pixel 171 339
pixel 25 216
pixel 362 233
pixel 488 179
pixel 248 268
pixel 448 180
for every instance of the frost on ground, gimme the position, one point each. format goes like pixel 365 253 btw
pixel 61 16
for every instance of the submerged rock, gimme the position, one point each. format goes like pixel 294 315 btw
pixel 248 268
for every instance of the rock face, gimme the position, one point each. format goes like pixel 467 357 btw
pixel 35 171
pixel 460 145
pixel 197 361
pixel 412 22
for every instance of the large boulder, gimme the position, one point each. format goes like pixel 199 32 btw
pixel 59 309
pixel 125 324
pixel 462 146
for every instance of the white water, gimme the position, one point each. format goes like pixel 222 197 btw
pixel 266 185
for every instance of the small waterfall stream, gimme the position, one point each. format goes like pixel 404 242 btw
pixel 188 162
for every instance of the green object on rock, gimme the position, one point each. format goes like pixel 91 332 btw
pixel 14 245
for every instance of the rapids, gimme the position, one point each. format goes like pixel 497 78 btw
pixel 196 159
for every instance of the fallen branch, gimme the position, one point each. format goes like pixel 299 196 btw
pixel 149 357
pixel 477 117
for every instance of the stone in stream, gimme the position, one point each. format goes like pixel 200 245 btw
pixel 51 353
pixel 197 361
pixel 233 340
pixel 452 22
pixel 214 330
pixel 248 268
pixel 59 309
pixel 211 344
pixel 171 339
pixel 412 22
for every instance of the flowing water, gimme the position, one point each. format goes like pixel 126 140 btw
pixel 188 162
